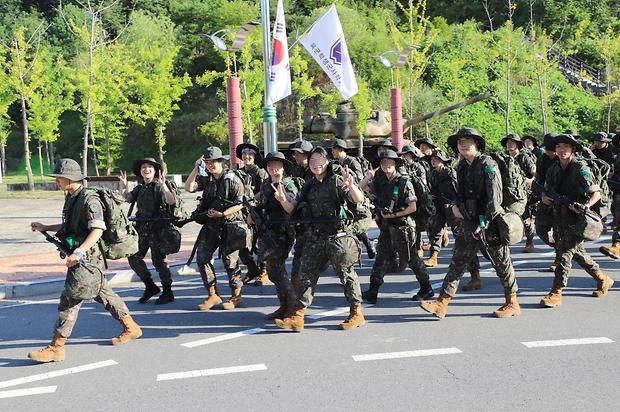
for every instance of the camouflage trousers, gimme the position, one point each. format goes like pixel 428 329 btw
pixel 82 285
pixel 569 247
pixel 342 251
pixel 465 249
pixel 158 258
pixel 301 238
pixel 543 223
pixel 208 243
pixel 529 228
pixel 274 253
pixel 438 223
pixel 400 239
pixel 615 210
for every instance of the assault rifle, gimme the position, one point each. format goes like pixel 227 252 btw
pixel 65 250
pixel 558 199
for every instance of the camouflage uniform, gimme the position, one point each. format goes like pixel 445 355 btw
pixel 544 213
pixel 397 234
pixel 480 191
pixel 301 232
pixel 328 242
pixel 150 203
pixel 527 163
pixel 257 175
pixel 80 284
pixel 575 181
pixel 230 233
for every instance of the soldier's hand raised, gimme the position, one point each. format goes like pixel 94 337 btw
pixel 348 177
pixel 122 178
pixel 279 194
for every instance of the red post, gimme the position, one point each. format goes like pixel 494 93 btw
pixel 397 118
pixel 235 123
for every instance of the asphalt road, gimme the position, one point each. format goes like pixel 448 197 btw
pixel 404 359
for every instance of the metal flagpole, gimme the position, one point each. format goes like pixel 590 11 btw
pixel 270 131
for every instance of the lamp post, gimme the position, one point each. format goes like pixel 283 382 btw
pixel 270 131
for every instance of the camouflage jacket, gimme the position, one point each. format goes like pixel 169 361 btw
pixel 575 181
pixel 271 209
pixel 220 194
pixel 479 188
pixel 526 163
pixel 443 185
pixel 542 166
pixel 354 167
pixel 258 176
pixel 78 222
pixel 394 195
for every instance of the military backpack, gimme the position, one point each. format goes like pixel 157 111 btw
pixel 514 192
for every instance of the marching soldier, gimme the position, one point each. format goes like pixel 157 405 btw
pixel 613 251
pixel 602 148
pixel 83 222
pixel 153 197
pixel 396 202
pixel 531 144
pixel 325 196
pixel 479 202
pixel 571 179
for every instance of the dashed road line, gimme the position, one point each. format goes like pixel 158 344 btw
pixel 211 372
pixel 566 342
pixel 334 312
pixel 406 354
pixel 27 392
pixel 221 338
pixel 55 374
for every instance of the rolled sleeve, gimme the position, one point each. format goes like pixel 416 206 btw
pixel 94 214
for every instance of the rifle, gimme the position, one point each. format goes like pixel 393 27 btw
pixel 65 250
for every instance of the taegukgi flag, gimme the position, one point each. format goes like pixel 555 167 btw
pixel 280 77
pixel 325 42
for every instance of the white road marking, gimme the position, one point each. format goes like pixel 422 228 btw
pixel 211 372
pixel 221 338
pixel 547 254
pixel 27 392
pixel 566 342
pixel 55 374
pixel 334 312
pixel 405 354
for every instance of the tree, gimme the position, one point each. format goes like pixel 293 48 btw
pixel 6 99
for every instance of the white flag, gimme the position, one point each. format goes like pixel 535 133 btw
pixel 280 77
pixel 325 42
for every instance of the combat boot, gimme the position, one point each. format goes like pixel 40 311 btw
pixel 553 299
pixel 474 283
pixel 370 295
pixel 286 307
pixel 234 301
pixel 151 290
pixel 425 293
pixel 445 239
pixel 426 246
pixel 603 283
pixel 166 297
pixel 529 246
pixel 212 300
pixel 439 307
pixel 432 260
pixel 613 251
pixel 262 278
pixel 131 331
pixel 355 318
pixel 510 308
pixel 294 322
pixel 54 352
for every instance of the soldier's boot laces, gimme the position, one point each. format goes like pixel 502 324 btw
pixel 425 293
pixel 131 331
pixel 474 283
pixel 529 246
pixel 438 307
pixel 355 318
pixel 166 297
pixel 151 290
pixel 553 299
pixel 603 283
pixel 262 278
pixel 286 305
pixel 612 251
pixel 510 308
pixel 294 322
pixel 54 352
pixel 432 260
pixel 370 295
pixel 211 300
pixel 234 301
pixel 445 239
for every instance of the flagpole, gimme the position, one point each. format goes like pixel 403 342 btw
pixel 270 131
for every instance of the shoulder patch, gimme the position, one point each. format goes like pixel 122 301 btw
pixel 585 172
pixel 489 169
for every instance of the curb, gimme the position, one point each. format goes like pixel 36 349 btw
pixel 55 286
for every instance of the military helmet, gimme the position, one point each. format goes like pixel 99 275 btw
pixel 248 146
pixel 214 153
pixel 466 132
pixel 138 164
pixel 514 137
pixel 69 169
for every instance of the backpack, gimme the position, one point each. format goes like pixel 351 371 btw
pixel 120 239
pixel 425 208
pixel 248 188
pixel 178 209
pixel 600 170
pixel 365 163
pixel 514 192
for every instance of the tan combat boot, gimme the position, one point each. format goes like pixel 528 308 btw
pixel 474 283
pixel 287 303
pixel 510 308
pixel 54 352
pixel 211 300
pixel 294 322
pixel 529 246
pixel 262 278
pixel 438 307
pixel 426 246
pixel 355 318
pixel 613 251
pixel 432 260
pixel 445 239
pixel 553 299
pixel 234 301
pixel 131 331
pixel 603 283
